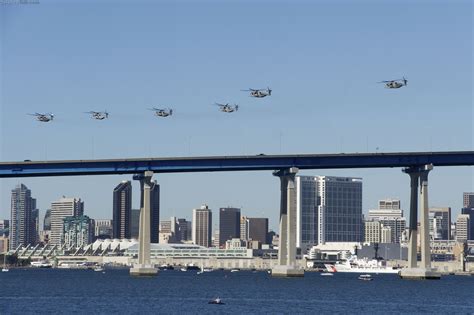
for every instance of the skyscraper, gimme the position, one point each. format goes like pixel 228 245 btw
pixel 103 229
pixel 135 223
pixel 257 229
pixel 47 220
pixel 22 220
pixel 390 215
pixel 468 200
pixel 122 210
pixel 440 223
pixel 64 207
pixel 229 224
pixel 462 227
pixel 202 226
pixel 4 228
pixel 328 209
pixel 77 231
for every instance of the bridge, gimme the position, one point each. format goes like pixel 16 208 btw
pixel 416 164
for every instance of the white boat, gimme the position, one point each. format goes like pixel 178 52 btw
pixel 41 264
pixel 354 264
pixel 235 270
pixel 5 269
pixel 327 274
pixel 98 268
pixel 365 278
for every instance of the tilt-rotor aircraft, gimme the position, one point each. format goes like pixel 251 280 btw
pixel 43 117
pixel 98 115
pixel 259 93
pixel 395 84
pixel 162 112
pixel 226 108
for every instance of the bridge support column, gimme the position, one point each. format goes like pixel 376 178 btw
pixel 287 242
pixel 144 267
pixel 419 174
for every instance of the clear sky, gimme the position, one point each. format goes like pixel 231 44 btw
pixel 321 58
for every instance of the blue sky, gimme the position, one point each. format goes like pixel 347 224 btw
pixel 322 59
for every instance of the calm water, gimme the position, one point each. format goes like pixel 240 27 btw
pixel 86 291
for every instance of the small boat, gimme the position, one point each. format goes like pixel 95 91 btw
pixel 184 269
pixel 327 274
pixel 216 301
pixel 234 270
pixel 365 278
pixel 98 268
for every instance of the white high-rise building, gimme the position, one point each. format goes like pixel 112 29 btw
pixel 64 207
pixel 328 209
pixel 202 226
pixel 390 215
pixel 462 228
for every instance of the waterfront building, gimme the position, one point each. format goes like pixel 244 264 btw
pixel 390 215
pixel 4 228
pixel 463 228
pixel 64 207
pixel 229 224
pixel 235 243
pixel 103 228
pixel 122 210
pixel 469 212
pixel 47 220
pixel 4 244
pixel 329 209
pixel 202 226
pixel 257 230
pixel 77 231
pixel 440 223
pixel 23 220
pixel 244 229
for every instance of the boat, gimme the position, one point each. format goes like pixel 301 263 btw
pixel 327 274
pixel 5 269
pixel 183 269
pixel 216 301
pixel 41 264
pixel 363 266
pixel 235 270
pixel 98 268
pixel 365 277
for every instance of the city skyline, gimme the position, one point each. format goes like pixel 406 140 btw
pixel 325 97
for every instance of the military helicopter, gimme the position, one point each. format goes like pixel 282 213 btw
pixel 98 115
pixel 162 112
pixel 395 84
pixel 43 117
pixel 226 108
pixel 259 93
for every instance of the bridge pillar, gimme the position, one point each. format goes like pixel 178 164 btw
pixel 419 174
pixel 287 241
pixel 144 267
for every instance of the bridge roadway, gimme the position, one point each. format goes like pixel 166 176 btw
pixel 233 163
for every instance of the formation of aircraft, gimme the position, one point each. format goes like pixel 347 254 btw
pixel 395 84
pixel 98 115
pixel 226 108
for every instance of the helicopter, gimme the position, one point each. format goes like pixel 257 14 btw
pixel 162 112
pixel 43 117
pixel 226 108
pixel 98 115
pixel 259 93
pixel 395 84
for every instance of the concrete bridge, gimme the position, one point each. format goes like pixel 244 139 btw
pixel 416 164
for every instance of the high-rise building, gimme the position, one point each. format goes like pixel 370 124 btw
pixel 469 212
pixel 229 224
pixel 390 215
pixel 181 230
pixel 135 223
pixel 254 229
pixel 47 220
pixel 468 200
pixel 103 229
pixel 34 228
pixel 372 231
pixel 77 231
pixel 440 223
pixel 329 209
pixel 202 226
pixel 386 235
pixel 22 221
pixel 122 210
pixel 64 207
pixel 4 228
pixel 462 228
pixel 4 244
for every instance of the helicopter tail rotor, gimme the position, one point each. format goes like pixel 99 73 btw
pixel 236 107
pixel 171 112
pixel 269 91
pixel 405 81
